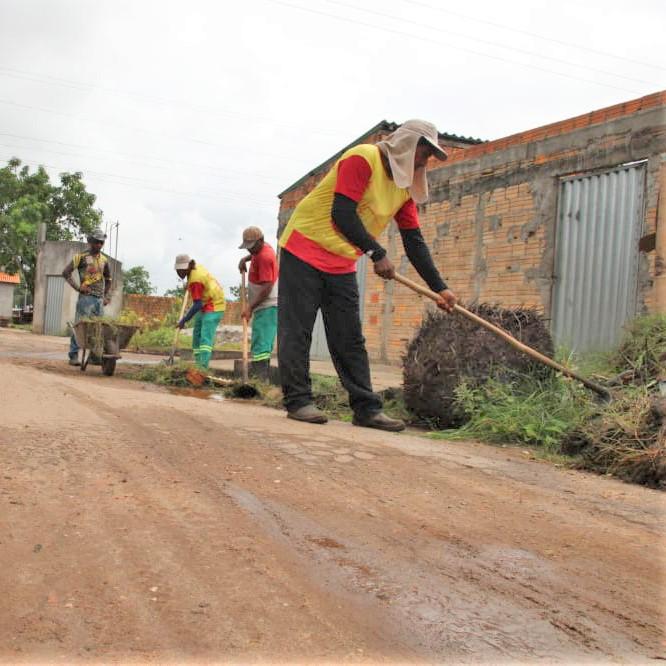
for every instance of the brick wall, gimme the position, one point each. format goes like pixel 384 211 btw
pixel 232 314
pixel 156 308
pixel 148 308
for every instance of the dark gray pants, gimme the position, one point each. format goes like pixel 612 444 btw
pixel 303 291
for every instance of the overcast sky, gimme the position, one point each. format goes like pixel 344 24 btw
pixel 188 118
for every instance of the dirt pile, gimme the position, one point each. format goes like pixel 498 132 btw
pixel 449 350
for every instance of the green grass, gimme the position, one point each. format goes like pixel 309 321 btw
pixel 161 339
pixel 643 349
pixel 525 411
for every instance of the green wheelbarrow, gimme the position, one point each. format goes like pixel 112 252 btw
pixel 102 341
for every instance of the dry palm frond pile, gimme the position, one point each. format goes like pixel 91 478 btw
pixel 451 350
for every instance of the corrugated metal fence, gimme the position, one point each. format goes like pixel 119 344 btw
pixel 55 285
pixel 599 224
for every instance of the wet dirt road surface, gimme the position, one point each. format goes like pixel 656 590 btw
pixel 141 526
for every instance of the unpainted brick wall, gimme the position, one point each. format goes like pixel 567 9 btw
pixel 155 308
pixel 148 307
pixel 484 246
pixel 232 314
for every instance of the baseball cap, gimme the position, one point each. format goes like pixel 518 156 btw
pixel 97 235
pixel 182 262
pixel 250 236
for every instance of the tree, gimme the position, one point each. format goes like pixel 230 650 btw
pixel 175 292
pixel 234 291
pixel 136 280
pixel 28 199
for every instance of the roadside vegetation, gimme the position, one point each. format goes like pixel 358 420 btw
pixel 156 335
pixel 625 438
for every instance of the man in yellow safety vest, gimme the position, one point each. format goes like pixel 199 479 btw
pixel 208 306
pixel 336 223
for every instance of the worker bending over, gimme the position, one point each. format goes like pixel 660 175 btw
pixel 208 306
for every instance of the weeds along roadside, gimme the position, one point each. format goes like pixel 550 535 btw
pixel 564 422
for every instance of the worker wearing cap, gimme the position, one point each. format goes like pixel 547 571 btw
pixel 337 222
pixel 262 300
pixel 208 306
pixel 94 285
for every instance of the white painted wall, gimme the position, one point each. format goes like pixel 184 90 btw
pixel 6 299
pixel 52 258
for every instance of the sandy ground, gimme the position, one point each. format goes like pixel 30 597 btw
pixel 139 526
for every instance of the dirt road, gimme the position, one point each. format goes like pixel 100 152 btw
pixel 141 526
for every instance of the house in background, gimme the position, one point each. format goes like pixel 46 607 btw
pixel 54 299
pixel 8 283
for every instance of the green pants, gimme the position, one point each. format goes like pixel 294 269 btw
pixel 264 329
pixel 203 336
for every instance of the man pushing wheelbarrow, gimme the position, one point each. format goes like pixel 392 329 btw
pixel 94 284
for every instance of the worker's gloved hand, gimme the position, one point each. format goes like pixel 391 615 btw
pixel 241 265
pixel 447 299
pixel 180 324
pixel 384 268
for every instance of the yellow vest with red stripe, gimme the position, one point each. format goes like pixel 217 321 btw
pixel 380 202
pixel 212 289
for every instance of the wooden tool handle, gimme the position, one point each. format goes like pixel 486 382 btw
pixel 424 291
pixel 182 313
pixel 245 350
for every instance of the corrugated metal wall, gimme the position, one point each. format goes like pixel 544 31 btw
pixel 319 348
pixel 55 285
pixel 599 224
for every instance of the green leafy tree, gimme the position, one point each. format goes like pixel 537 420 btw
pixel 175 292
pixel 28 199
pixel 234 292
pixel 136 280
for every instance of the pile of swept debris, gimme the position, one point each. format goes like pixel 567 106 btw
pixel 462 379
pixel 627 438
pixel 451 351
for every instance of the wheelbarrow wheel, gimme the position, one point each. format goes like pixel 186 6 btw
pixel 108 366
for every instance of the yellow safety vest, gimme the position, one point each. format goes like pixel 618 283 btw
pixel 213 292
pixel 380 202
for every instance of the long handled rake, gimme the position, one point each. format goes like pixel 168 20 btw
pixel 507 337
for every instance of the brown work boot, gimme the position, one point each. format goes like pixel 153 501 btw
pixel 308 414
pixel 380 421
